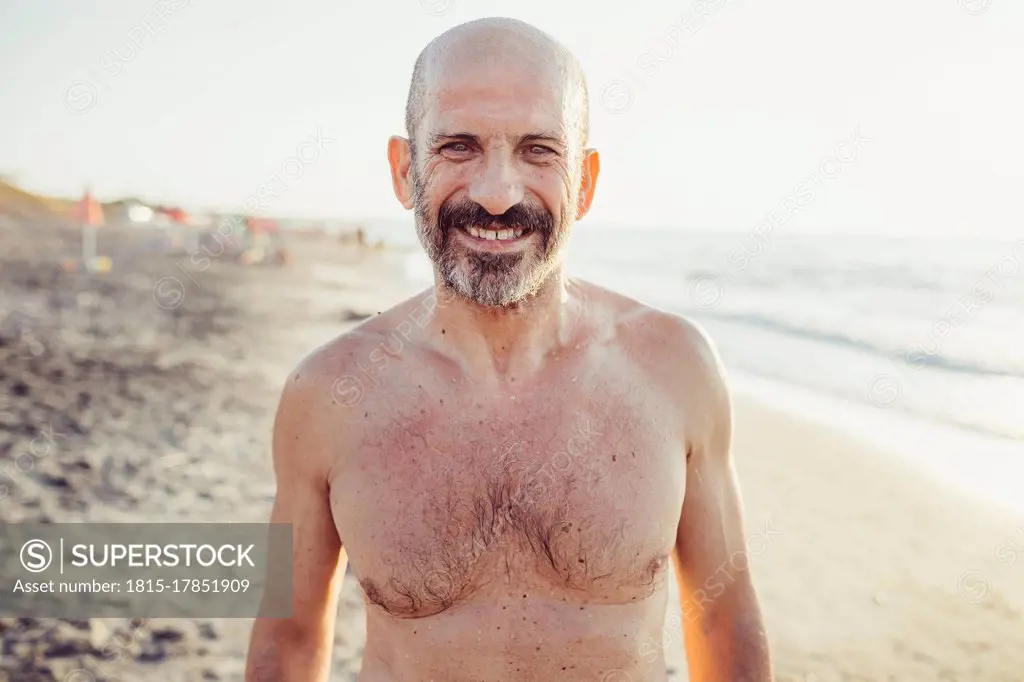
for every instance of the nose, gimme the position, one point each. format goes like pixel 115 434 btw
pixel 498 187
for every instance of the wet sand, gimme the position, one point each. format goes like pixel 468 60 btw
pixel 163 401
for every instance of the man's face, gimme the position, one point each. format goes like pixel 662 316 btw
pixel 495 175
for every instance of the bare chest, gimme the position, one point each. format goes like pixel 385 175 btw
pixel 453 496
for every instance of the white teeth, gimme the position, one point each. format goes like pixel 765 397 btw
pixel 492 235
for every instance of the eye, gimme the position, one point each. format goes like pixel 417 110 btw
pixel 539 150
pixel 456 148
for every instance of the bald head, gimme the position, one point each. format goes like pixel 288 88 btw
pixel 496 166
pixel 499 46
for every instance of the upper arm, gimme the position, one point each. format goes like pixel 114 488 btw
pixel 304 443
pixel 710 539
pixel 722 623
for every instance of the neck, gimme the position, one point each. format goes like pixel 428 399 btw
pixel 505 342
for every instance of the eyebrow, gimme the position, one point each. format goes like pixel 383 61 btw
pixel 549 137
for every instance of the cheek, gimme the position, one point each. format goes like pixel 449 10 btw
pixel 438 184
pixel 554 191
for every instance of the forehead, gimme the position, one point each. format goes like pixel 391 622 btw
pixel 496 98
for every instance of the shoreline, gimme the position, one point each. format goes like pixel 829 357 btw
pixel 992 474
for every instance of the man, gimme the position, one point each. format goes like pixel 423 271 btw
pixel 510 474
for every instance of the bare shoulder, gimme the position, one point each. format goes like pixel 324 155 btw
pixel 671 340
pixel 320 376
pixel 674 355
pixel 314 407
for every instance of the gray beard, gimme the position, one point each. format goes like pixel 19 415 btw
pixel 488 279
pixel 492 279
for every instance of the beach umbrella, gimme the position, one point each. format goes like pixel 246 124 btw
pixel 89 214
pixel 185 226
pixel 89 211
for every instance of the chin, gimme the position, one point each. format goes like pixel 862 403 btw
pixel 490 291
pixel 492 296
pixel 493 280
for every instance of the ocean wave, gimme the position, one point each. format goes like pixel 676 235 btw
pixel 899 355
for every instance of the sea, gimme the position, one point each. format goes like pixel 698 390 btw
pixel 917 343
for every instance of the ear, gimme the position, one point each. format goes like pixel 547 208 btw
pixel 400 159
pixel 591 166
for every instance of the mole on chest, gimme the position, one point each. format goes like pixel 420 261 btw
pixel 565 524
pixel 458 502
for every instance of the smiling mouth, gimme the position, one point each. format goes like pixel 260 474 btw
pixel 498 235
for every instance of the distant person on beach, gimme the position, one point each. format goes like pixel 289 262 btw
pixel 512 459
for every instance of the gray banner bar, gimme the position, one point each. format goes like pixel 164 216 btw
pixel 146 570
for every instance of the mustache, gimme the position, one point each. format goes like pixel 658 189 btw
pixel 521 216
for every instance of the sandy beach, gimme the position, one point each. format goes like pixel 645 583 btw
pixel 163 400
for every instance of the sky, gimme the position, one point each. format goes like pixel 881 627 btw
pixel 900 118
